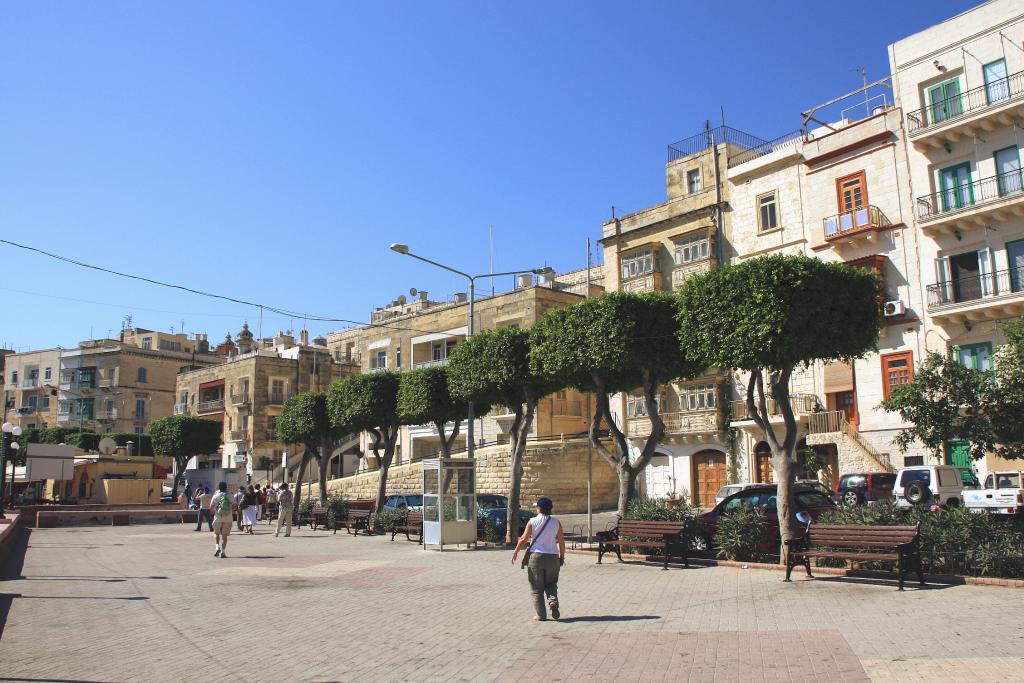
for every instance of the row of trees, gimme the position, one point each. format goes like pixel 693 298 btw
pixel 765 316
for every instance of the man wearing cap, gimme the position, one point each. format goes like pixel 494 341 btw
pixel 545 552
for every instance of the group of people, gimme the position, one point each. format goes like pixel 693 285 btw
pixel 251 503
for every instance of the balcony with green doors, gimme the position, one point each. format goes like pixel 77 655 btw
pixel 951 114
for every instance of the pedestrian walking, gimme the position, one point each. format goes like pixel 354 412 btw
pixel 284 510
pixel 271 502
pixel 237 500
pixel 545 554
pixel 250 507
pixel 203 500
pixel 220 508
pixel 186 497
pixel 262 507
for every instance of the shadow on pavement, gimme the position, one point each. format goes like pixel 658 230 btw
pixel 610 617
pixel 11 569
pixel 888 583
pixel 19 596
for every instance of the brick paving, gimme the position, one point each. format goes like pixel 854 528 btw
pixel 151 603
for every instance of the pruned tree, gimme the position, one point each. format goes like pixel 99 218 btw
pixel 947 401
pixel 618 342
pixel 304 421
pixel 184 437
pixel 424 398
pixel 493 368
pixel 369 403
pixel 768 315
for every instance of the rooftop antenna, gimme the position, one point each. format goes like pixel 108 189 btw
pixel 864 78
pixel 490 247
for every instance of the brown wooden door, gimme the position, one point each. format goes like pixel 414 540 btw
pixel 765 473
pixel 708 477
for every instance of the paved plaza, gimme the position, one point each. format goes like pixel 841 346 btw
pixel 152 603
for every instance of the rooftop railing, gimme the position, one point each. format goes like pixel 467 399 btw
pixel 973 101
pixel 711 137
pixel 789 139
pixel 977 193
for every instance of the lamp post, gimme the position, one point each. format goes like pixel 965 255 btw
pixel 404 250
pixel 9 432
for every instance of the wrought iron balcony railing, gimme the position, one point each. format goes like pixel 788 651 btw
pixel 851 222
pixel 211 406
pixel 972 101
pixel 969 195
pixel 802 404
pixel 975 287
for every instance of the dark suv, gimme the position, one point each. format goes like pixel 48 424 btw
pixel 864 487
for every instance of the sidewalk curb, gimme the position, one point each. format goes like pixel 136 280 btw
pixel 948 579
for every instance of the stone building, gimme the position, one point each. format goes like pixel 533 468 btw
pixel 246 392
pixel 30 388
pixel 123 384
pixel 960 84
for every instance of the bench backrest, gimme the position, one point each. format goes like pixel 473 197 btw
pixel 861 536
pixel 319 511
pixel 648 529
pixel 414 519
pixel 357 514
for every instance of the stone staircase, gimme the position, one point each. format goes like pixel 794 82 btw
pixel 856 454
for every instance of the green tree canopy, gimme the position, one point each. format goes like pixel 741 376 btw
pixel 369 403
pixel 425 398
pixel 183 437
pixel 618 342
pixel 766 316
pixel 305 420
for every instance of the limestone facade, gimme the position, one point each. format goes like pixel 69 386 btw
pixel 30 388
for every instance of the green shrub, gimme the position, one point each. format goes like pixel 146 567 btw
pixel 740 532
pixel 487 530
pixel 306 506
pixel 385 520
pixel 337 507
pixel 657 509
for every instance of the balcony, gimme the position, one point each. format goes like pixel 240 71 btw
pixel 651 282
pixel 972 204
pixel 802 405
pixel 689 423
pixel 240 399
pixel 26 410
pixel 238 435
pixel 107 414
pixel 30 383
pixel 430 363
pixel 214 406
pixel 978 297
pixel 854 227
pixel 964 115
pixel 685 270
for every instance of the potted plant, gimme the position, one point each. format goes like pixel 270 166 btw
pixel 673 499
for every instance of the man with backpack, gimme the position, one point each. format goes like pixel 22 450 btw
pixel 221 506
pixel 284 510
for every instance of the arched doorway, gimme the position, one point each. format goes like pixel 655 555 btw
pixel 763 459
pixel 709 475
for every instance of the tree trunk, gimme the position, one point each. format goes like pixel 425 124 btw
pixel 785 473
pixel 627 485
pixel 520 429
pixel 390 436
pixel 180 463
pixel 298 483
pixel 323 460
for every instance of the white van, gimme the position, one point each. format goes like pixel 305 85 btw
pixel 932 485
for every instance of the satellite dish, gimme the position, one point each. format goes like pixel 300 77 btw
pixel 401 299
pixel 107 445
pixel 413 292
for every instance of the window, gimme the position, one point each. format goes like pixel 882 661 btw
pixel 910 476
pixel 956 190
pixel 692 248
pixel 697 397
pixel 693 181
pixel 110 405
pixel 944 100
pixel 140 408
pixel 767 212
pixel 47 373
pixel 852 192
pixel 14 377
pixel 379 360
pixel 637 263
pixel 277 388
pixel 1008 176
pixel 110 374
pixel 975 355
pixel 637 407
pixel 141 375
pixel 947 478
pixel 167 345
pixel 245 423
pixel 33 373
pixel 147 342
pixel 897 369
pixel 32 403
pixel 46 402
pixel 140 431
pixel 398 357
pixel 996 86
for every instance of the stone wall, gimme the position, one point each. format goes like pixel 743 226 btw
pixel 557 469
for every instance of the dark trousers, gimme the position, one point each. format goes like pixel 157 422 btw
pixel 542 570
pixel 202 513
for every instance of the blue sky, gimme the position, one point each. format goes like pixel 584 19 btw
pixel 272 151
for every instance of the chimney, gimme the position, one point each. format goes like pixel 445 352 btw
pixel 460 297
pixel 304 337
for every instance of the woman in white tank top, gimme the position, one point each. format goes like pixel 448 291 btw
pixel 545 544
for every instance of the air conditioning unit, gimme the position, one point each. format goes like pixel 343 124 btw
pixel 894 308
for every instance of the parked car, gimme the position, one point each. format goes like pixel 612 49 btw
pixel 1003 494
pixel 730 489
pixel 932 485
pixel 808 499
pixel 404 501
pixel 495 508
pixel 864 487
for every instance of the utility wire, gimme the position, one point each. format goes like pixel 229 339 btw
pixel 212 295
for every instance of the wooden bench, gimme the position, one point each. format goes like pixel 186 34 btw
pixel 858 543
pixel 669 537
pixel 317 516
pixel 413 524
pixel 353 521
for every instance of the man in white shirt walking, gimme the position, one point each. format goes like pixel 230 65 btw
pixel 221 507
pixel 284 510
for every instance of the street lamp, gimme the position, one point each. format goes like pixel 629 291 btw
pixel 403 249
pixel 9 432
